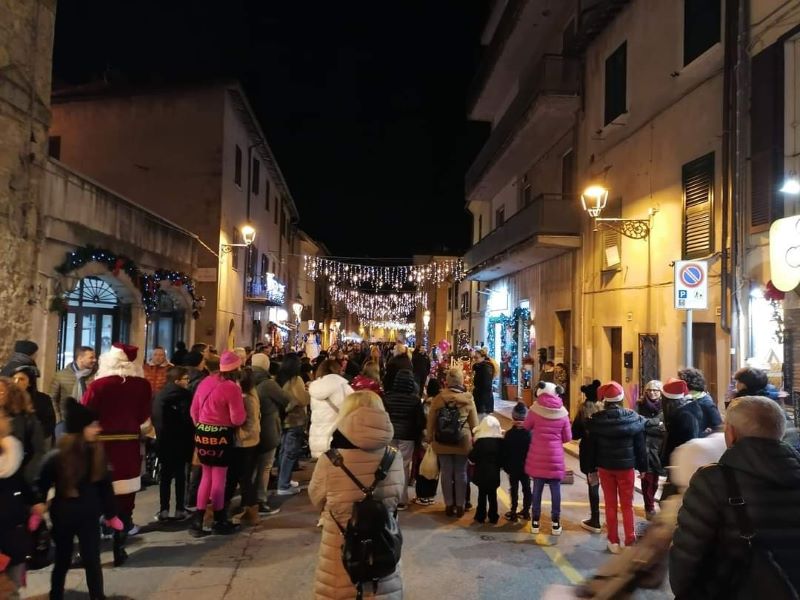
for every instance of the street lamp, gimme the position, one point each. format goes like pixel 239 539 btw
pixel 426 320
pixel 594 199
pixel 248 235
pixel 297 308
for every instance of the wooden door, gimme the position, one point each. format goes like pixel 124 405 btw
pixel 704 341
pixel 614 335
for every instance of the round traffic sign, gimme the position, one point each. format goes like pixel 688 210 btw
pixel 691 275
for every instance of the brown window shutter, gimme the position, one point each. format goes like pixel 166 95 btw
pixel 698 207
pixel 610 240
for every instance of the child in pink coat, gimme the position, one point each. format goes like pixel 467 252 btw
pixel 548 422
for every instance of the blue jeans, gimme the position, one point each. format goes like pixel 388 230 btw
pixel 291 447
pixel 555 498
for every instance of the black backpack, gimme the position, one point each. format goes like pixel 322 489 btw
pixel 372 539
pixel 449 424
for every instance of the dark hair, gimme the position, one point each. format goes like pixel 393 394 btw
pixel 77 460
pixel 434 387
pixel 694 379
pixel 192 359
pixel 159 348
pixel 201 347
pixel 753 379
pixel 231 375
pixel 329 367
pixel 290 368
pixel 180 346
pixel 175 373
pixel 247 382
pixel 83 350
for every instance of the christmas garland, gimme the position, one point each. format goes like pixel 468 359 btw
pixel 520 315
pixel 148 284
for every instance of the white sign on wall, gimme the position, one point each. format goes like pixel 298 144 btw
pixel 784 253
pixel 691 284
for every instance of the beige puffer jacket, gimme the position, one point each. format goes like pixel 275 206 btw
pixel 371 430
pixel 249 432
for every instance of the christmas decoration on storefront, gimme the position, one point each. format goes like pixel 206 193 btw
pixel 352 275
pixel 775 297
pixel 510 326
pixel 148 284
pixel 382 307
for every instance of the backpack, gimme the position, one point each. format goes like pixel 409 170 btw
pixel 449 424
pixel 761 571
pixel 372 539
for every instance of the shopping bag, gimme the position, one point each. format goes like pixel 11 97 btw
pixel 429 467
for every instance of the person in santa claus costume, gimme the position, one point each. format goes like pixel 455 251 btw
pixel 121 398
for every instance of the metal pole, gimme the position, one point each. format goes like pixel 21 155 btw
pixel 688 348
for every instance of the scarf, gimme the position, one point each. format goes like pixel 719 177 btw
pixel 654 406
pixel 80 381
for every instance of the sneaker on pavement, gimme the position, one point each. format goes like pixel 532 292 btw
pixel 294 483
pixel 591 525
pixel 534 527
pixel 510 516
pixel 134 530
pixel 181 515
pixel 524 515
pixel 266 510
pixel 556 530
pixel 290 491
pixel 162 516
pixel 613 548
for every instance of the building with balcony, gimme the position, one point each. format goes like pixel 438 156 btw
pixel 196 155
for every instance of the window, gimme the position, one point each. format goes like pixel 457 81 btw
pixel 237 167
pixel 267 192
pixel 698 206
pixel 499 217
pixel 480 227
pixel 702 24
pixel 264 267
pixel 277 209
pixel 237 239
pixel 54 146
pixel 527 192
pixel 616 83
pixel 465 305
pixel 283 224
pixel 255 183
pixel 612 240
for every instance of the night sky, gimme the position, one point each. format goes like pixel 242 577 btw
pixel 363 103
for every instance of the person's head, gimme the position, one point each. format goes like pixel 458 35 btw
pixel 159 356
pixel 179 376
pixel 22 378
pixel 260 361
pixel 371 370
pixel 754 416
pixel 519 413
pixel 329 367
pixel 81 421
pixel 652 390
pixel 400 349
pixel 694 379
pixel 230 366
pixel 13 399
pixel 454 378
pixel 589 390
pixel 247 382
pixel 241 353
pixel 356 400
pixel 180 346
pixel 434 388
pixel 85 358
pixel 203 349
pixel 611 394
pixel 549 365
pixel 290 368
pixel 750 379
pixel 194 360
pixel 674 390
pixel 26 347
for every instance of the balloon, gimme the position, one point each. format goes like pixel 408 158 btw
pixel 444 346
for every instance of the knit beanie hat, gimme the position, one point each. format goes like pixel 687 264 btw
pixel 26 347
pixel 519 412
pixel 590 390
pixel 77 416
pixel 611 392
pixel 229 361
pixel 260 361
pixel 675 389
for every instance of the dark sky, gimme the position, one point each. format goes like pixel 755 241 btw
pixel 363 102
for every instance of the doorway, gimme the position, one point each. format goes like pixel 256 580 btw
pixel 563 354
pixel 614 337
pixel 704 343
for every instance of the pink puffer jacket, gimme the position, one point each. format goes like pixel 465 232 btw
pixel 548 422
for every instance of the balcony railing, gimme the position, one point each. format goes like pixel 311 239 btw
pixel 267 289
pixel 547 214
pixel 554 75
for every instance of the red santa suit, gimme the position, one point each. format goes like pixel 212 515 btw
pixel 122 399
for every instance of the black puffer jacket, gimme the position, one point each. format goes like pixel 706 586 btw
pixel 404 406
pixel 396 364
pixel 707 553
pixel 515 446
pixel 486 454
pixel 579 432
pixel 173 423
pixel 683 419
pixel 711 416
pixel 616 440
pixel 654 433
pixel 482 386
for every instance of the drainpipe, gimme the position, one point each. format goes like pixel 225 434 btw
pixel 728 111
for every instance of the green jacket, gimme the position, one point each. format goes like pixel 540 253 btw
pixel 62 388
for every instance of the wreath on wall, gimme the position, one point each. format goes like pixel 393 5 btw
pixel 148 284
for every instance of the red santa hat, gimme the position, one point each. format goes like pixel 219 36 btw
pixel 610 392
pixel 675 389
pixel 123 352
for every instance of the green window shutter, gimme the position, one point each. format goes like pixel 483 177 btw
pixel 698 207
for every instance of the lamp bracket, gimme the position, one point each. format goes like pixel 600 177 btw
pixel 227 248
pixel 635 229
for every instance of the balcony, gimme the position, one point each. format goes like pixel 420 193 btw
pixel 265 289
pixel 595 16
pixel 547 227
pixel 543 110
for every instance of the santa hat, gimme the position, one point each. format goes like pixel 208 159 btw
pixel 675 389
pixel 548 387
pixel 124 352
pixel 610 392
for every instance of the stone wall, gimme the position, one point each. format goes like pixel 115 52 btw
pixel 26 56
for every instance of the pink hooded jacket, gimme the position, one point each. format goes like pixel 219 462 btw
pixel 218 402
pixel 548 422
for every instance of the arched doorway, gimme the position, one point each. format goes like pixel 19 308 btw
pixel 94 317
pixel 165 327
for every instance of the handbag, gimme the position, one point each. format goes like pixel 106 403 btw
pixel 429 467
pixel 42 551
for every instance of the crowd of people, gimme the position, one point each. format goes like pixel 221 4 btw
pixel 218 427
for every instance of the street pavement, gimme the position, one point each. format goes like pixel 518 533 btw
pixel 442 557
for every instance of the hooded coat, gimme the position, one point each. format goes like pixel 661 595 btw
pixel 579 431
pixel 405 408
pixel 327 395
pixel 683 419
pixel 616 440
pixel 706 552
pixel 468 415
pixel 487 455
pixel 548 422
pixel 174 427
pixel 332 491
pixel 273 401
pixel 654 433
pixel 396 364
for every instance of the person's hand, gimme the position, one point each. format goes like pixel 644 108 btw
pixel 114 523
pixel 34 521
pixel 39 509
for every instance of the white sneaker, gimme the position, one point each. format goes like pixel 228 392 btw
pixel 294 483
pixel 556 529
pixel 613 548
pixel 534 527
pixel 290 491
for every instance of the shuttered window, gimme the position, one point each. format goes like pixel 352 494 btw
pixel 698 207
pixel 611 241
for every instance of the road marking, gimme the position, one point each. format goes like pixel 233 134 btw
pixel 554 554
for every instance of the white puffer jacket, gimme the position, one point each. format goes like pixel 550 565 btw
pixel 333 492
pixel 326 393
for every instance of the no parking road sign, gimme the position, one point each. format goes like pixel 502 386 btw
pixel 691 284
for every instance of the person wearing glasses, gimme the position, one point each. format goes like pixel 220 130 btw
pixel 649 407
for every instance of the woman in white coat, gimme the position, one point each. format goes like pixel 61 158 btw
pixel 328 392
pixel 362 434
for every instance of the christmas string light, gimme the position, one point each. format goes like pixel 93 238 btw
pixel 372 306
pixel 399 325
pixel 394 277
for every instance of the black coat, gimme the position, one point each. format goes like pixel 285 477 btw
pixel 616 440
pixel 15 497
pixel 579 432
pixel 43 407
pixel 395 364
pixel 515 449
pixel 422 368
pixel 707 554
pixel 682 419
pixel 486 453
pixel 405 408
pixel 483 374
pixel 654 433
pixel 173 423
